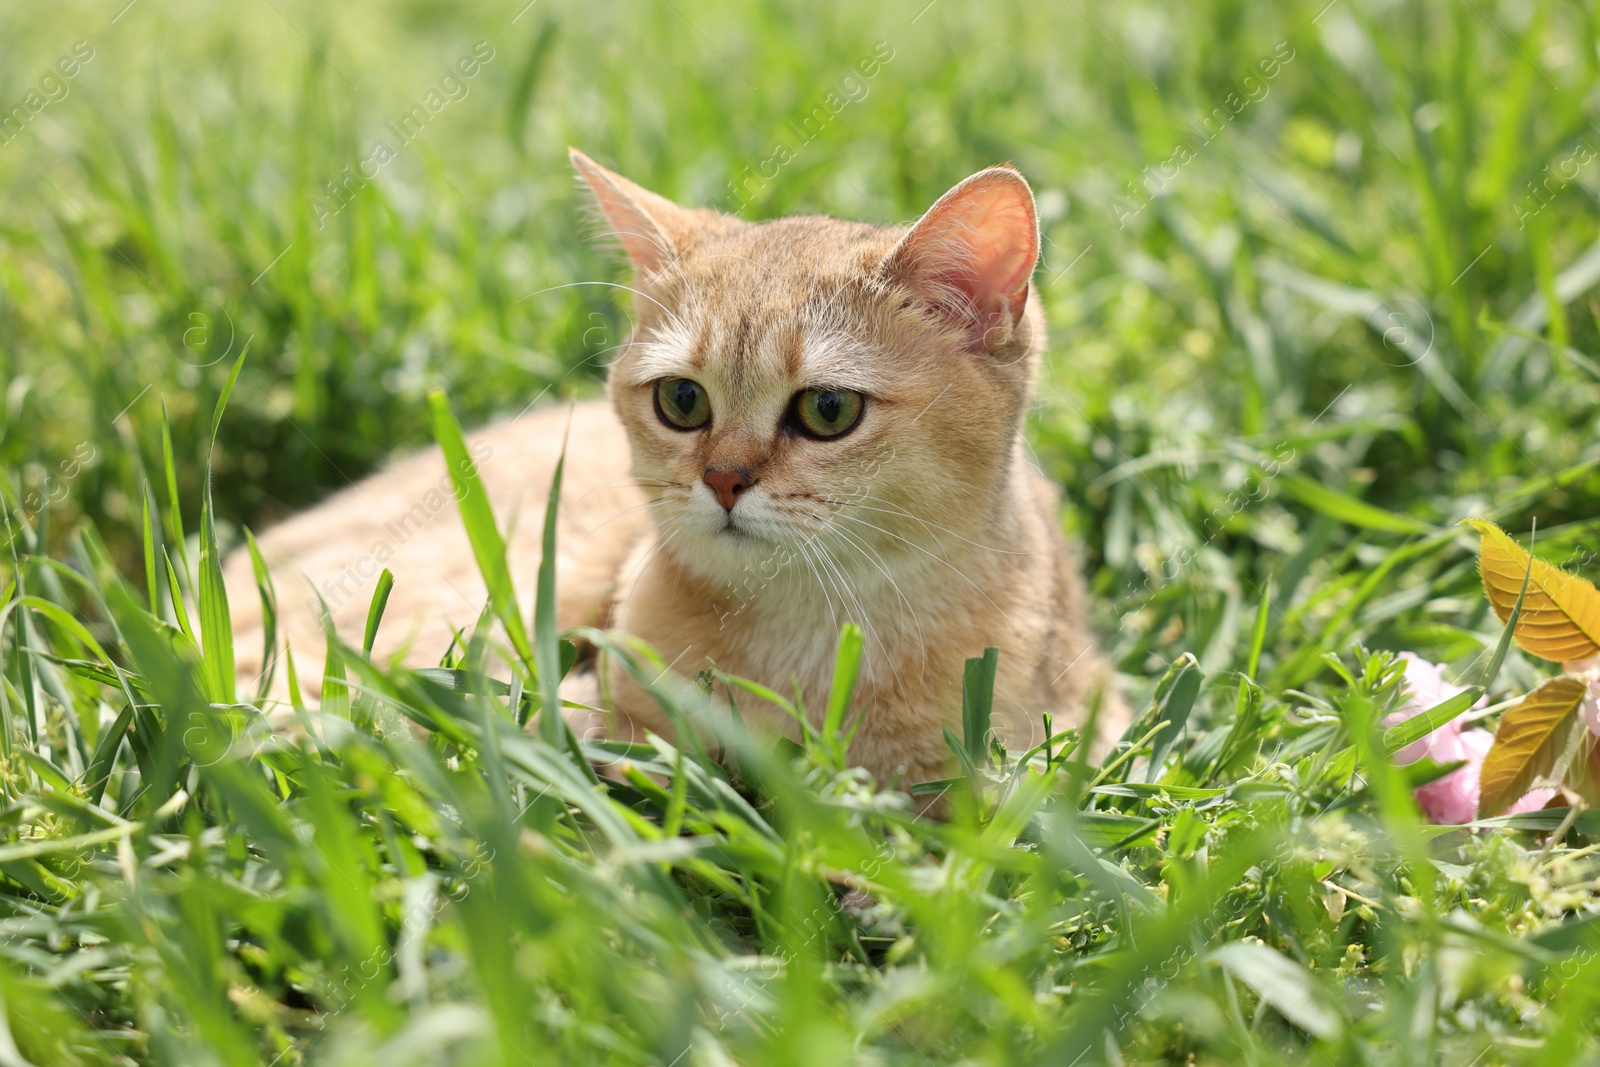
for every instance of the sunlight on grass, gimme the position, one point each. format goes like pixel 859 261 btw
pixel 1321 283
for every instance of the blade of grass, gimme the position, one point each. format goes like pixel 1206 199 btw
pixel 1347 509
pixel 151 586
pixel 1424 723
pixel 846 672
pixel 488 547
pixel 335 686
pixel 174 513
pixel 977 703
pixel 105 755
pixel 1258 632
pixel 552 723
pixel 380 600
pixel 1175 697
pixel 269 615
pixel 216 623
pixel 180 609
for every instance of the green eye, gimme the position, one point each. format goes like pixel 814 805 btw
pixel 682 404
pixel 828 412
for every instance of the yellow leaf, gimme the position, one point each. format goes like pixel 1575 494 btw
pixel 1560 618
pixel 1531 739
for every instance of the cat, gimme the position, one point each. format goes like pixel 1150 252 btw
pixel 815 421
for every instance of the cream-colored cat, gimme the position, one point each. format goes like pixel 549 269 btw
pixel 815 422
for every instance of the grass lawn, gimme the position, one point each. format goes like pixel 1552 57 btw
pixel 1323 281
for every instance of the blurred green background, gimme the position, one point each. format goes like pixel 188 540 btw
pixel 1320 278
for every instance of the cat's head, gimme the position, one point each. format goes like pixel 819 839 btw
pixel 814 388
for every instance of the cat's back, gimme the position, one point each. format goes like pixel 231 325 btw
pixel 405 518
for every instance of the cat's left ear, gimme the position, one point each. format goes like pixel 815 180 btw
pixel 653 230
pixel 970 257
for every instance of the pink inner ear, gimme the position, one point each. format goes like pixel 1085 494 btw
pixel 644 242
pixel 626 207
pixel 982 239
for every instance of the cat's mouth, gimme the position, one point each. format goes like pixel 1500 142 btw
pixel 742 529
pixel 747 531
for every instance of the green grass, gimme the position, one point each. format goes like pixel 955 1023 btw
pixel 1341 328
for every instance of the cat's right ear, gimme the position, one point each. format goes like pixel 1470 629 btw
pixel 970 257
pixel 653 230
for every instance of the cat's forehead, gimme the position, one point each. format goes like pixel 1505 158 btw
pixel 783 301
pixel 778 268
pixel 743 352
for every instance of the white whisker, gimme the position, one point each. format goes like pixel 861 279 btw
pixel 871 555
pixel 930 555
pixel 901 512
pixel 873 637
pixel 812 565
pixel 615 285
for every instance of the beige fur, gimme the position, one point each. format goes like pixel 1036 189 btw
pixel 926 525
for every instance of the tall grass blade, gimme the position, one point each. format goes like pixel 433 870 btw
pixel 977 703
pixel 269 615
pixel 488 547
pixel 547 652
pixel 216 624
pixel 846 672
pixel 380 600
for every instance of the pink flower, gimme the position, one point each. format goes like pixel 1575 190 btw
pixel 1424 687
pixel 1588 670
pixel 1453 798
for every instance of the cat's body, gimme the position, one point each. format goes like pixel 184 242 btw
pixel 815 422
pixel 406 518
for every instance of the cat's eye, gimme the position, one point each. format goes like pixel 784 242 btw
pixel 827 412
pixel 682 404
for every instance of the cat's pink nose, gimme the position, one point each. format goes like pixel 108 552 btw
pixel 727 483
